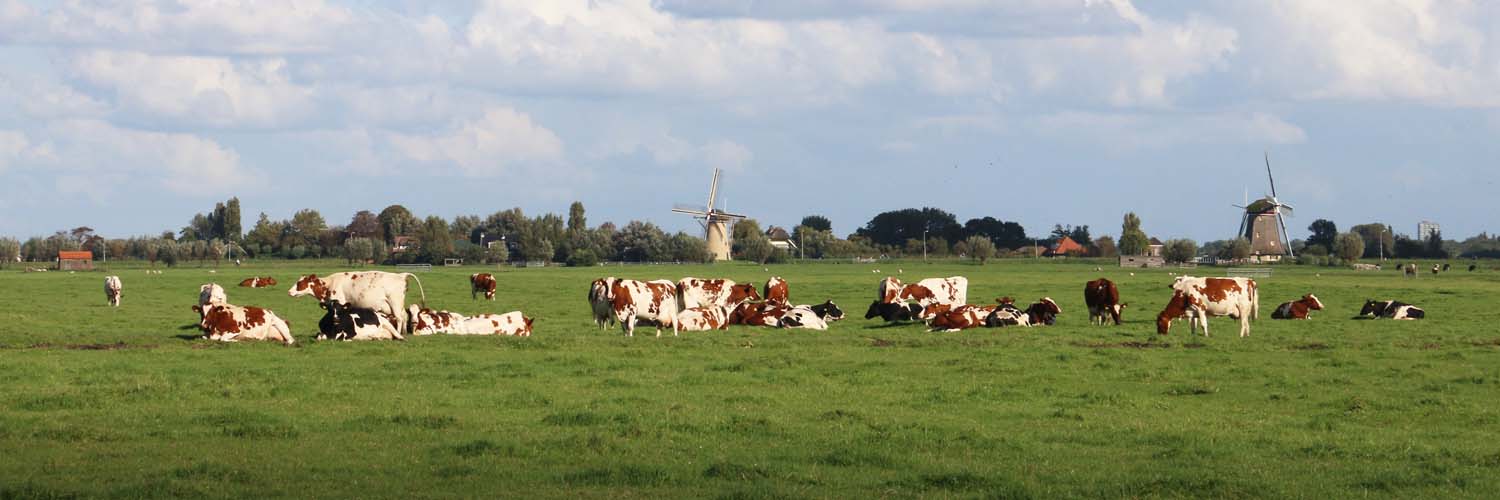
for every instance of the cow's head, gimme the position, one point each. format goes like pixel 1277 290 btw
pixel 932 312
pixel 743 292
pixel 1115 312
pixel 1313 302
pixel 310 285
pixel 1176 308
pixel 875 309
pixel 1371 308
pixel 829 311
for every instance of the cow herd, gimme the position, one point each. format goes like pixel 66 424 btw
pixel 364 305
pixel 693 304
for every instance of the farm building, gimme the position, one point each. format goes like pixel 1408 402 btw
pixel 403 243
pixel 1063 247
pixel 75 260
pixel 1153 249
pixel 780 239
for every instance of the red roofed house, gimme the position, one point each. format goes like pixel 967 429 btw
pixel 75 261
pixel 1063 247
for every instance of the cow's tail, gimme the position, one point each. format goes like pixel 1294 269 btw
pixel 1255 301
pixel 420 290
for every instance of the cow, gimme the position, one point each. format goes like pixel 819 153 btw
pixel 347 322
pixel 893 311
pixel 112 290
pixel 953 291
pixel 699 319
pixel 1199 298
pixel 382 291
pixel 758 314
pixel 1043 312
pixel 776 291
pixel 231 323
pixel 211 293
pixel 512 324
pixel 481 283
pixel 653 301
pixel 428 322
pixel 951 319
pixel 1102 298
pixel 1391 309
pixel 1446 267
pixel 803 317
pixel 1040 313
pixel 1410 269
pixel 1472 267
pixel 600 301
pixel 694 292
pixel 1435 269
pixel 889 289
pixel 258 282
pixel 828 311
pixel 1298 309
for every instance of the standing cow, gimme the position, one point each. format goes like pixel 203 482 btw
pixel 112 290
pixel 601 302
pixel 378 290
pixel 1102 298
pixel 953 291
pixel 1199 298
pixel 482 283
pixel 652 301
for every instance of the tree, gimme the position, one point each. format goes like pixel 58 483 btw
pixel 894 228
pixel 365 225
pixel 1179 250
pixel 980 248
pixel 1323 233
pixel 689 248
pixel 305 228
pixel 1349 246
pixel 10 249
pixel 266 234
pixel 817 222
pixel 395 221
pixel 812 242
pixel 1375 237
pixel 435 242
pixel 232 228
pixel 1081 235
pixel 1003 234
pixel 577 221
pixel 1105 247
pixel 641 242
pixel 359 249
pixel 1133 240
pixel 1236 249
pixel 750 243
pixel 463 227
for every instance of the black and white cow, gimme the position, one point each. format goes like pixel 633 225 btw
pixel 1391 309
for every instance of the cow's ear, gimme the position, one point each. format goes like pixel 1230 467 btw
pixel 197 308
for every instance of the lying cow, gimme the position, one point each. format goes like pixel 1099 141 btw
pixel 776 291
pixel 512 323
pixel 1040 313
pixel 951 319
pixel 893 311
pixel 1102 298
pixel 600 301
pixel 482 283
pixel 827 311
pixel 1391 309
pixel 1199 298
pixel 231 323
pixel 112 290
pixel 1298 309
pixel 758 314
pixel 381 291
pixel 699 319
pixel 258 282
pixel 651 301
pixel 694 292
pixel 346 322
pixel 426 321
pixel 803 317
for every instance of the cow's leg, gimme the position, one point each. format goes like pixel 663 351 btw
pixel 1244 325
pixel 628 324
pixel 1203 320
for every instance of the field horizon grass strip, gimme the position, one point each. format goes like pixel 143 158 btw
pixel 128 402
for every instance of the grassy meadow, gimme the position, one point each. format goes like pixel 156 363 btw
pixel 128 402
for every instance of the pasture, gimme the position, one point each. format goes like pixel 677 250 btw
pixel 126 402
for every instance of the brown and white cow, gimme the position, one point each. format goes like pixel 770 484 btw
pixel 1199 298
pixel 652 301
pixel 426 321
pixel 951 319
pixel 601 302
pixel 482 283
pixel 1102 298
pixel 758 314
pixel 258 282
pixel 512 323
pixel 382 291
pixel 776 291
pixel 346 322
pixel 953 291
pixel 700 319
pixel 890 289
pixel 694 292
pixel 231 323
pixel 112 290
pixel 1298 309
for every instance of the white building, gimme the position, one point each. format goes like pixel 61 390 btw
pixel 1426 229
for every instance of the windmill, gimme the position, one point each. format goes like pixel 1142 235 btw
pixel 715 222
pixel 1263 225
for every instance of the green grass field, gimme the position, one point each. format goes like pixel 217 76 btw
pixel 104 402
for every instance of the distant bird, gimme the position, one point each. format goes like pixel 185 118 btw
pixel 1132 274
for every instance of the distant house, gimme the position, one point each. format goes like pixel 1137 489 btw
pixel 1063 247
pixel 75 261
pixel 780 239
pixel 1154 248
pixel 403 243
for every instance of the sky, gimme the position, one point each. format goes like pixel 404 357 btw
pixel 129 116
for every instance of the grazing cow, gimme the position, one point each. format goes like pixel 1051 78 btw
pixel 482 283
pixel 1391 309
pixel 758 314
pixel 1043 312
pixel 651 301
pixel 426 321
pixel 1102 298
pixel 1446 267
pixel 893 311
pixel 889 289
pixel 699 319
pixel 951 319
pixel 1435 268
pixel 112 290
pixel 1410 269
pixel 600 301
pixel 347 322
pixel 512 323
pixel 694 292
pixel 258 282
pixel 803 317
pixel 1199 298
pixel 1298 309
pixel 776 291
pixel 231 323
pixel 953 291
pixel 382 291
pixel 211 293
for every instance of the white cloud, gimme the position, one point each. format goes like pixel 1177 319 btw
pixel 12 145
pixel 227 26
pixel 114 159
pixel 1122 132
pixel 204 91
pixel 668 150
pixel 484 146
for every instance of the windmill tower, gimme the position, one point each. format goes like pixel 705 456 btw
pixel 1263 225
pixel 715 222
